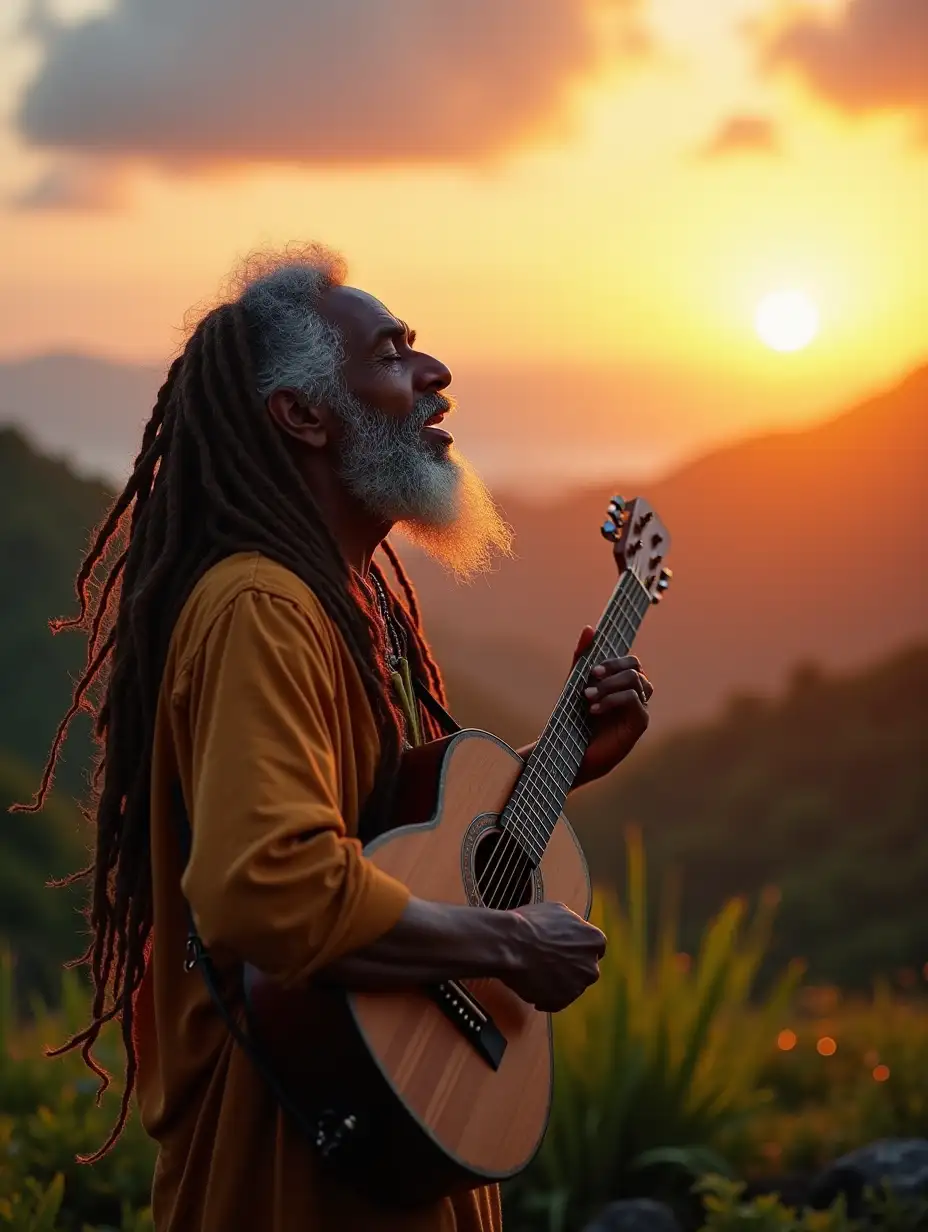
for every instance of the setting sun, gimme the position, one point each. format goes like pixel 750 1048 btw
pixel 786 320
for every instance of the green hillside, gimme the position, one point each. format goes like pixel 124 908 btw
pixel 41 924
pixel 46 515
pixel 821 792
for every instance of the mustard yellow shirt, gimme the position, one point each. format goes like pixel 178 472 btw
pixel 264 717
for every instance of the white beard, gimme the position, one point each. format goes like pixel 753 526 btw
pixel 437 500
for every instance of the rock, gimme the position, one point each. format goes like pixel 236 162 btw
pixel 634 1215
pixel 902 1163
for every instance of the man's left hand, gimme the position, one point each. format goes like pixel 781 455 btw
pixel 617 695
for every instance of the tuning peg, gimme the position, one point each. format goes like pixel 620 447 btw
pixel 663 584
pixel 656 540
pixel 666 575
pixel 634 547
pixel 656 599
pixel 643 521
pixel 619 502
pixel 654 562
pixel 609 530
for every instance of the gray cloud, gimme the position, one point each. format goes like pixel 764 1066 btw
pixel 742 134
pixel 310 81
pixel 875 56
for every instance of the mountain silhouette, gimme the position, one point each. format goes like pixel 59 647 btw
pixel 797 545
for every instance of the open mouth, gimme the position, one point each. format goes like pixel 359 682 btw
pixel 432 429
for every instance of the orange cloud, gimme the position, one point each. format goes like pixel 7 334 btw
pixel 308 81
pixel 875 56
pixel 742 134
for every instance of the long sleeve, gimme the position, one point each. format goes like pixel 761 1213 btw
pixel 273 877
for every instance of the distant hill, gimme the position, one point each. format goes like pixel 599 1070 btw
pixel 46 515
pixel 38 922
pixel 644 416
pixel 797 545
pixel 821 792
pixel 81 408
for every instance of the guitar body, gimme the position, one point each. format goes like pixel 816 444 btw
pixel 424 1093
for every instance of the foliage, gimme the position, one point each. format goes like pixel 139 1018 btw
pixel 39 923
pixel 822 792
pixel 50 1116
pixel 874 1084
pixel 726 1210
pixel 659 1061
pixel 46 515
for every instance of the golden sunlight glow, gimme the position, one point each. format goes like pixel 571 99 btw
pixel 786 320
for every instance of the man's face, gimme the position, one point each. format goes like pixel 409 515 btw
pixel 392 454
pixel 382 367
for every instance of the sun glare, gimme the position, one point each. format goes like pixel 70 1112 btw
pixel 786 320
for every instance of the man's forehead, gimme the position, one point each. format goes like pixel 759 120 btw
pixel 358 313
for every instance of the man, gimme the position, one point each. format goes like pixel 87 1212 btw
pixel 247 648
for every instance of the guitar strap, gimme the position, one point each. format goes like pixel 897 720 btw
pixel 319 1125
pixel 435 708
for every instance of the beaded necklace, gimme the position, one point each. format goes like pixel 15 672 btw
pixel 395 652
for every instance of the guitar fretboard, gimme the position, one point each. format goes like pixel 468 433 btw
pixel 549 773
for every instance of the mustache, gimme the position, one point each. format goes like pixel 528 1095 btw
pixel 428 405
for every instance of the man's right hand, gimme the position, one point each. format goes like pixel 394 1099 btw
pixel 557 957
pixel 544 952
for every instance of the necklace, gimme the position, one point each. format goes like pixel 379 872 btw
pixel 398 664
pixel 394 641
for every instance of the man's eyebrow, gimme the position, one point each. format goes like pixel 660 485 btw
pixel 398 330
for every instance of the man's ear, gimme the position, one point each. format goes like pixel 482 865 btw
pixel 300 418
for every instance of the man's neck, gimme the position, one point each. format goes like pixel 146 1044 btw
pixel 356 531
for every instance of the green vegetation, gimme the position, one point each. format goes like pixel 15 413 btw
pixel 667 1072
pixel 822 793
pixel 46 515
pixel 726 1210
pixel 49 1116
pixel 658 1064
pixel 39 923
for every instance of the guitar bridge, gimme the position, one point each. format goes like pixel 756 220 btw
pixel 471 1019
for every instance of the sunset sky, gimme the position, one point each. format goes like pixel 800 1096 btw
pixel 577 204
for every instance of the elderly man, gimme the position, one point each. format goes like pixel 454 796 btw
pixel 247 649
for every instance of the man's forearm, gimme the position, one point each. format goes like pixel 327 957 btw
pixel 434 941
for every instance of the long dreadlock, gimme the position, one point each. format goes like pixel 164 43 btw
pixel 212 477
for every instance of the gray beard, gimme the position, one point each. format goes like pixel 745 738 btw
pixel 435 498
pixel 388 466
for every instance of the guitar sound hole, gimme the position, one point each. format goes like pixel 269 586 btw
pixel 502 872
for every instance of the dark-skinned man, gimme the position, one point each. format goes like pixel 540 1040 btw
pixel 242 648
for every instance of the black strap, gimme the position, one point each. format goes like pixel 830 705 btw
pixel 435 708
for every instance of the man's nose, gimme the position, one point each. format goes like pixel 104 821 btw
pixel 432 375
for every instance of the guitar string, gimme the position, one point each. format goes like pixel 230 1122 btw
pixel 514 862
pixel 507 870
pixel 616 614
pixel 511 865
pixel 556 734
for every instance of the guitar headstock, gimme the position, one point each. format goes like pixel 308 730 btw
pixel 639 543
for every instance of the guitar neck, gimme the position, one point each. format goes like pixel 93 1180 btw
pixel 550 772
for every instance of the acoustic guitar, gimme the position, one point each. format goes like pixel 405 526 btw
pixel 417 1094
